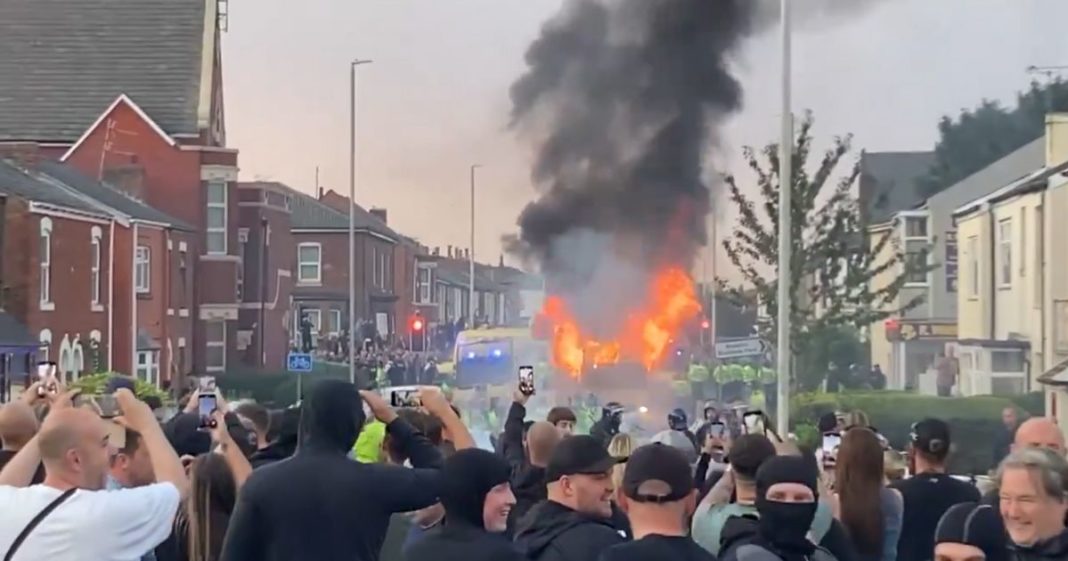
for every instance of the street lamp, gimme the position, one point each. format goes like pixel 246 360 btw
pixel 786 144
pixel 352 217
pixel 471 263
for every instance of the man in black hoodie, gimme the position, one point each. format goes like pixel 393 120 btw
pixel 574 524
pixel 319 504
pixel 284 444
pixel 477 499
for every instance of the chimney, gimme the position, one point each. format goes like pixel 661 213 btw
pixel 501 263
pixel 23 154
pixel 437 251
pixel 381 214
pixel 448 252
pixel 1056 138
pixel 321 193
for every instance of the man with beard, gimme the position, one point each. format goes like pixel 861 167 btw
pixel 574 523
pixel 786 501
pixel 319 504
pixel 477 499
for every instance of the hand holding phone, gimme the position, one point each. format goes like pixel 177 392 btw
pixel 753 423
pixel 526 380
pixel 46 375
pixel 404 398
pixel 207 404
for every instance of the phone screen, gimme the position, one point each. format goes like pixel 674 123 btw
pixel 404 398
pixel 716 429
pixel 46 374
pixel 206 405
pixel 206 383
pixel 753 422
pixel 831 441
pixel 526 379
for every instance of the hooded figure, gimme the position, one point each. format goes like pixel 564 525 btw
pixel 968 529
pixel 784 520
pixel 315 505
pixel 477 498
pixel 285 442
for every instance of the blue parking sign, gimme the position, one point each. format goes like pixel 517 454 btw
pixel 299 362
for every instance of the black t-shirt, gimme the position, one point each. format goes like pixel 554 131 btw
pixel 5 457
pixel 657 548
pixel 927 497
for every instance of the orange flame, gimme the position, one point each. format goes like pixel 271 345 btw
pixel 645 336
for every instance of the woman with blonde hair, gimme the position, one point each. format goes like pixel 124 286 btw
pixel 621 446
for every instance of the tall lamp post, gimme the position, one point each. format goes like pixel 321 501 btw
pixel 786 144
pixel 471 262
pixel 352 217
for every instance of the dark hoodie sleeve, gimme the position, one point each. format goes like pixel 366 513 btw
pixel 415 445
pixel 837 542
pixel 242 537
pixel 512 445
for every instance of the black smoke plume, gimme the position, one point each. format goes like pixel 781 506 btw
pixel 622 100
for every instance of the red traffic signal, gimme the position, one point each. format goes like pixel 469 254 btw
pixel 705 324
pixel 417 324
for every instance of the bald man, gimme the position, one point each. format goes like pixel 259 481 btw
pixel 74 446
pixel 18 424
pixel 1039 432
pixel 528 483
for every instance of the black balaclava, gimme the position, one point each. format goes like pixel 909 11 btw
pixel 784 526
pixel 976 525
pixel 466 479
pixel 332 417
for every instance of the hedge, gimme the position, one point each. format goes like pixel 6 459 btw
pixel 973 420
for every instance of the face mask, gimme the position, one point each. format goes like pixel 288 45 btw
pixel 786 525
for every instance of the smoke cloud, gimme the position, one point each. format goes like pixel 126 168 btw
pixel 622 99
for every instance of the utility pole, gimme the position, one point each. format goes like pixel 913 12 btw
pixel 352 217
pixel 786 145
pixel 471 264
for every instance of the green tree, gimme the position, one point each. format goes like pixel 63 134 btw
pixel 980 136
pixel 833 260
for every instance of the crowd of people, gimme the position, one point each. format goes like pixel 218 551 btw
pixel 345 475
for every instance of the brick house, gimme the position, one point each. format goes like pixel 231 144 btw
pixel 63 230
pixel 151 124
pixel 321 289
pixel 265 278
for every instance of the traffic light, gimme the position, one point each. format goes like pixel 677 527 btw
pixel 417 333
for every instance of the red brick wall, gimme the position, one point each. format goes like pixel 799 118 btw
pixel 73 316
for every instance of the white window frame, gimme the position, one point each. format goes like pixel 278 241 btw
pixel 45 338
pixel 907 218
pixel 1004 253
pixel 143 269
pixel 95 250
pixel 423 292
pixel 374 266
pixel 148 366
pixel 216 230
pixel 926 275
pixel 318 264
pixel 242 249
pixel 973 267
pixel 45 247
pixel 1023 242
pixel 335 321
pixel 209 343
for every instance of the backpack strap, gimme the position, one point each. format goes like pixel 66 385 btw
pixel 37 520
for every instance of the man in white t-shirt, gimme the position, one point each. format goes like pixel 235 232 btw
pixel 92 524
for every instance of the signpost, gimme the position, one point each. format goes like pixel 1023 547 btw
pixel 300 364
pixel 740 348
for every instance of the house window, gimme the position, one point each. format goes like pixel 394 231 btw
pixel 46 264
pixel 387 263
pixel 45 338
pixel 916 227
pixel 148 366
pixel 335 322
pixel 183 273
pixel 422 285
pixel 916 262
pixel 1006 361
pixel 1005 252
pixel 309 263
pixel 374 266
pixel 1038 257
pixel 1023 242
pixel 94 266
pixel 143 269
pixel 215 337
pixel 973 266
pixel 216 220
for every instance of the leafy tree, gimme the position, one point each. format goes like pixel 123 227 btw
pixel 981 136
pixel 833 261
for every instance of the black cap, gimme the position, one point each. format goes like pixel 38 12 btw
pixel 974 524
pixel 657 474
pixel 931 436
pixel 579 455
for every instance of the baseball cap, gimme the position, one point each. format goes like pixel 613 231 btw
pixel 931 436
pixel 579 455
pixel 657 473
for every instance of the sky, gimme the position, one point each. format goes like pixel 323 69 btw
pixel 435 99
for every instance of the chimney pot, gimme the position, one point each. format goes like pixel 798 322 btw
pixel 381 214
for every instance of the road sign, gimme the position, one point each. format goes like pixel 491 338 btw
pixel 299 362
pixel 738 348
